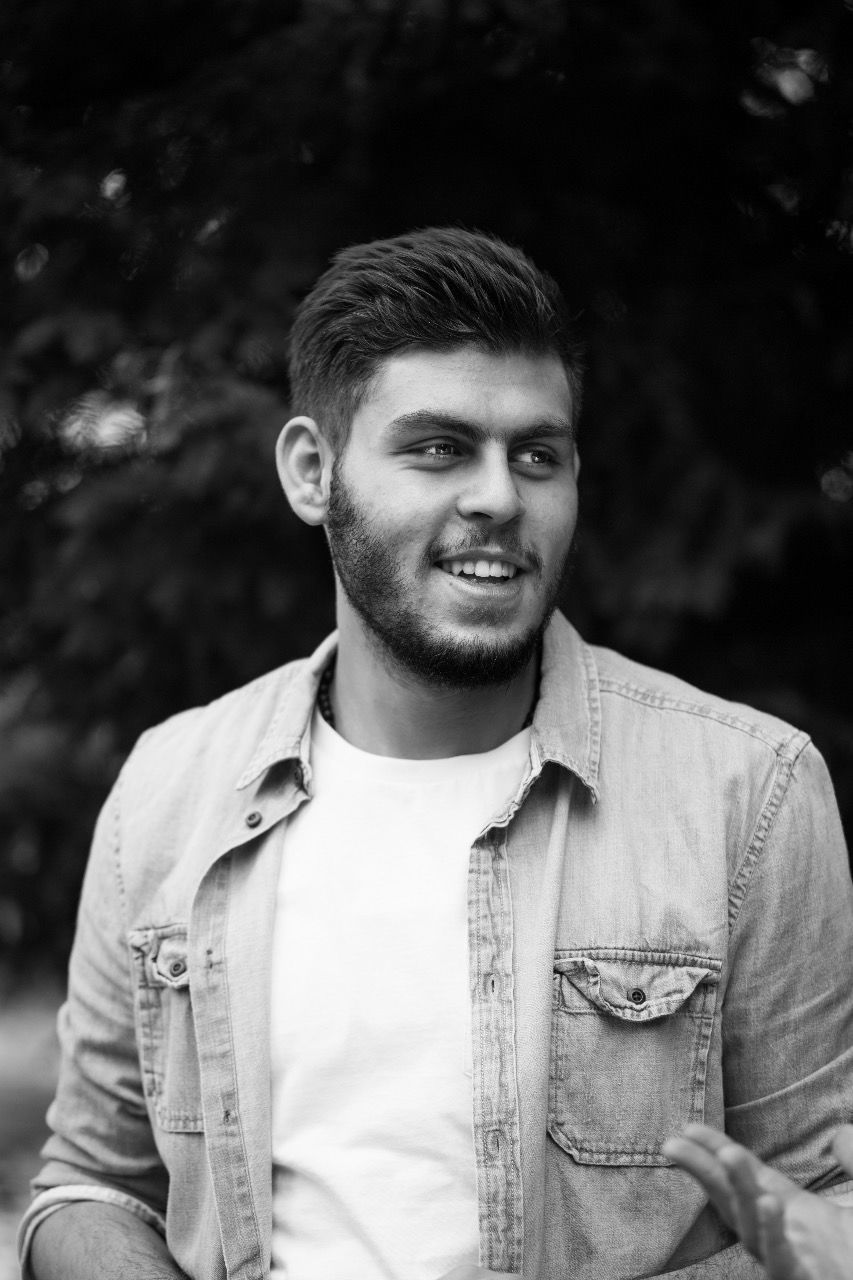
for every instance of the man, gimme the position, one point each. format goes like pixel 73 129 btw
pixel 407 959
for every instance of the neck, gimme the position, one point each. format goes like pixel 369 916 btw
pixel 387 710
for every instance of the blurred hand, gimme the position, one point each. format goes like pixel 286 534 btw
pixel 795 1234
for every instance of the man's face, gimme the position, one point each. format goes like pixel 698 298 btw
pixel 452 510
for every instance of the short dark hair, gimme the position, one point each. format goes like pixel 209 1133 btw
pixel 437 289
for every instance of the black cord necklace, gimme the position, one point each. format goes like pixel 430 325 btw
pixel 324 698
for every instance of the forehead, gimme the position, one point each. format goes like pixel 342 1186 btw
pixel 486 388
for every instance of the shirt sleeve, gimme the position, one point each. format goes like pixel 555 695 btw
pixel 787 1015
pixel 101 1145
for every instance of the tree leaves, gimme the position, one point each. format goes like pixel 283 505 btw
pixel 172 179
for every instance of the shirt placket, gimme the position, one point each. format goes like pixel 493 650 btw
pixel 233 1054
pixel 241 1243
pixel 497 1141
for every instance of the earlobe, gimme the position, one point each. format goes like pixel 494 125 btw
pixel 304 460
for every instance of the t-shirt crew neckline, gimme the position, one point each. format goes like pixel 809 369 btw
pixel 327 742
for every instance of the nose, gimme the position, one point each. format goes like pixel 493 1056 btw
pixel 490 492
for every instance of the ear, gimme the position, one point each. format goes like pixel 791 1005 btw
pixel 304 461
pixel 577 463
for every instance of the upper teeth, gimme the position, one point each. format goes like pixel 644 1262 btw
pixel 480 568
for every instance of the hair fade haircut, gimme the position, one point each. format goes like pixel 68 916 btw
pixel 435 289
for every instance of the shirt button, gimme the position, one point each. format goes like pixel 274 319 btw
pixel 177 967
pixel 637 995
pixel 493 1142
pixel 254 819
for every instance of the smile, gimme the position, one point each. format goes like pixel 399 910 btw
pixel 479 568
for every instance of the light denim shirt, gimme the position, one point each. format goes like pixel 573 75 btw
pixel 659 931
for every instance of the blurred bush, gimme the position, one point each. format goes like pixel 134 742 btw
pixel 174 175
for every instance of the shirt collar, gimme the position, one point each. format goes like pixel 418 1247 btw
pixel 287 734
pixel 567 719
pixel 566 722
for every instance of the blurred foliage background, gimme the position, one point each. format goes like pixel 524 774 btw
pixel 173 176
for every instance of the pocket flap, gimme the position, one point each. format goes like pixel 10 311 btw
pixel 634 986
pixel 164 954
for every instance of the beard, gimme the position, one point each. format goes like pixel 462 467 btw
pixel 375 585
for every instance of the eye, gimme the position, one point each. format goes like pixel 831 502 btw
pixel 536 458
pixel 438 449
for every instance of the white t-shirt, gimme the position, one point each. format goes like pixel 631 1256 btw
pixel 372 1139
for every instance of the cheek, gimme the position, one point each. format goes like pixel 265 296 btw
pixel 555 525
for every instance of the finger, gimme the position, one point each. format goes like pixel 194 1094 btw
pixel 711 1139
pixel 714 1141
pixel 743 1170
pixel 842 1147
pixel 706 1168
pixel 779 1259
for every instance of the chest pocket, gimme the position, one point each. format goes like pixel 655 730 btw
pixel 630 1032
pixel 167 1045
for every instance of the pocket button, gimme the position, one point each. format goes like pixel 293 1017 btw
pixel 176 968
pixel 637 995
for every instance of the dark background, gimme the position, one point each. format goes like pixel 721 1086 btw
pixel 173 176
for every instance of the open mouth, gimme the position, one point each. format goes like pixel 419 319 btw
pixel 480 569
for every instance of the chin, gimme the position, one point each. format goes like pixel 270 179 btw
pixel 466 659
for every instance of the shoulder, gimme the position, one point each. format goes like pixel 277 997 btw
pixel 645 693
pixel 222 735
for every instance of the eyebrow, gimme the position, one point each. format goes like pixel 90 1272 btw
pixel 477 434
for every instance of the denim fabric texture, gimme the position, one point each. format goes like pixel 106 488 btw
pixel 660 929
